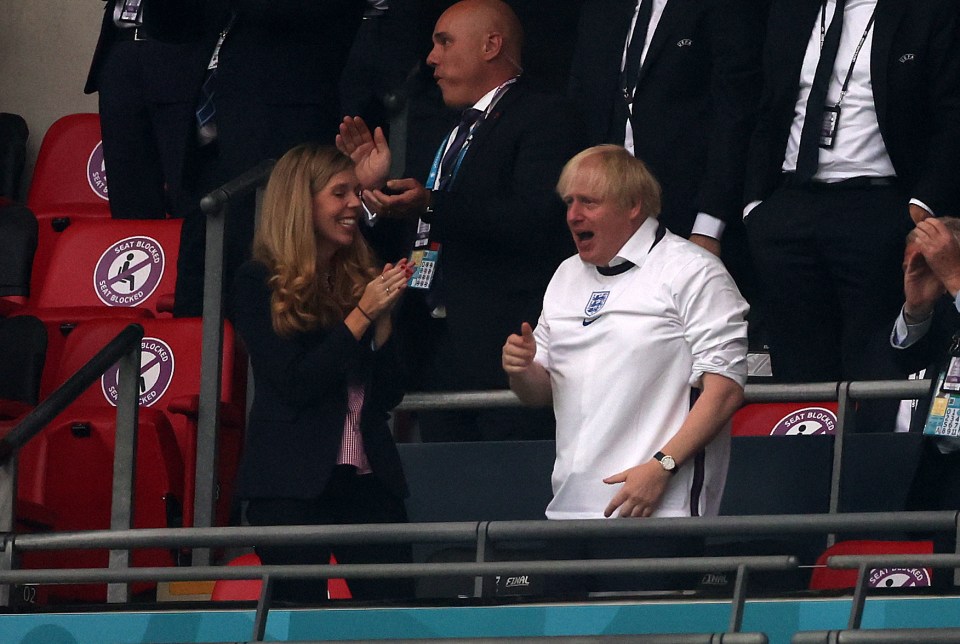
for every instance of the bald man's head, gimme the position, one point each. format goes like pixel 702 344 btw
pixel 476 47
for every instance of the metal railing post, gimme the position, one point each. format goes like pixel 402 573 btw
pixel 845 416
pixel 956 549
pixel 215 206
pixel 211 364
pixel 8 501
pixel 483 543
pixel 739 599
pixel 125 463
pixel 263 608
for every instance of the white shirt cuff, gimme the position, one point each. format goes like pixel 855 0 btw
pixel 917 202
pixel 750 206
pixel 905 335
pixel 708 226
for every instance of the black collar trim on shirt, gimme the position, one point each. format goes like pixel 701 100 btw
pixel 609 271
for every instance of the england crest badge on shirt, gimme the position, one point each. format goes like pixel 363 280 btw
pixel 595 303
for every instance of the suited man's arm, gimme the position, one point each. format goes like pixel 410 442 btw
pixel 595 66
pixel 511 214
pixel 735 35
pixel 937 187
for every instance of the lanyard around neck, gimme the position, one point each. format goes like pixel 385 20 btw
pixel 856 53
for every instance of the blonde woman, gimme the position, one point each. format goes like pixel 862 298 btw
pixel 315 315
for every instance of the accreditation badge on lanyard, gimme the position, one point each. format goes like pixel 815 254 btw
pixel 128 12
pixel 943 419
pixel 426 253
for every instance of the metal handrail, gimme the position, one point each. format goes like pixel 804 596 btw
pixel 753 393
pixel 214 201
pixel 398 570
pixel 442 532
pixel 880 636
pixel 480 532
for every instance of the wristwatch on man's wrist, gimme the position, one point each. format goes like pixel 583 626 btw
pixel 666 462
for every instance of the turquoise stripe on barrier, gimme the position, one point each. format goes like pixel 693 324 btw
pixel 779 619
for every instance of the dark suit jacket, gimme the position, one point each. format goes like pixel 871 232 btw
pixel 185 32
pixel 300 400
pixel 915 72
pixel 503 231
pixel 694 104
pixel 288 52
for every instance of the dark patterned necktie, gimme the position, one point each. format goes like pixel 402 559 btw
pixel 631 70
pixel 808 156
pixel 449 162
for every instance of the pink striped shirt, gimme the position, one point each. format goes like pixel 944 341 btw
pixel 351 446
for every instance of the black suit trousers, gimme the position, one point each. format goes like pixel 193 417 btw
pixel 829 263
pixel 348 498
pixel 145 138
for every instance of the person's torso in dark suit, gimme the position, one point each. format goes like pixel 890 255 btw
pixel 694 103
pixel 181 35
pixel 502 226
pixel 300 401
pixel 288 52
pixel 915 76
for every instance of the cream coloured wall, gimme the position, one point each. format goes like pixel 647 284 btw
pixel 45 51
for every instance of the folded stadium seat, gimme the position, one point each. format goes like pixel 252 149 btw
pixel 69 170
pixel 225 590
pixel 68 468
pixel 785 419
pixel 170 384
pixel 108 263
pixel 18 243
pixel 878 471
pixel 60 322
pixel 69 181
pixel 824 578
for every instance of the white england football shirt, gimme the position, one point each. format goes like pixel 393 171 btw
pixel 623 352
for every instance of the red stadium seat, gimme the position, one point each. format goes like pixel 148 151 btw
pixel 59 322
pixel 170 383
pixel 68 469
pixel 111 263
pixel 69 173
pixel 225 590
pixel 785 419
pixel 824 578
pixel 68 183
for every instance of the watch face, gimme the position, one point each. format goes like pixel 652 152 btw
pixel 668 463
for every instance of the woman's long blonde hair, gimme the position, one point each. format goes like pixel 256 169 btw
pixel 304 295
